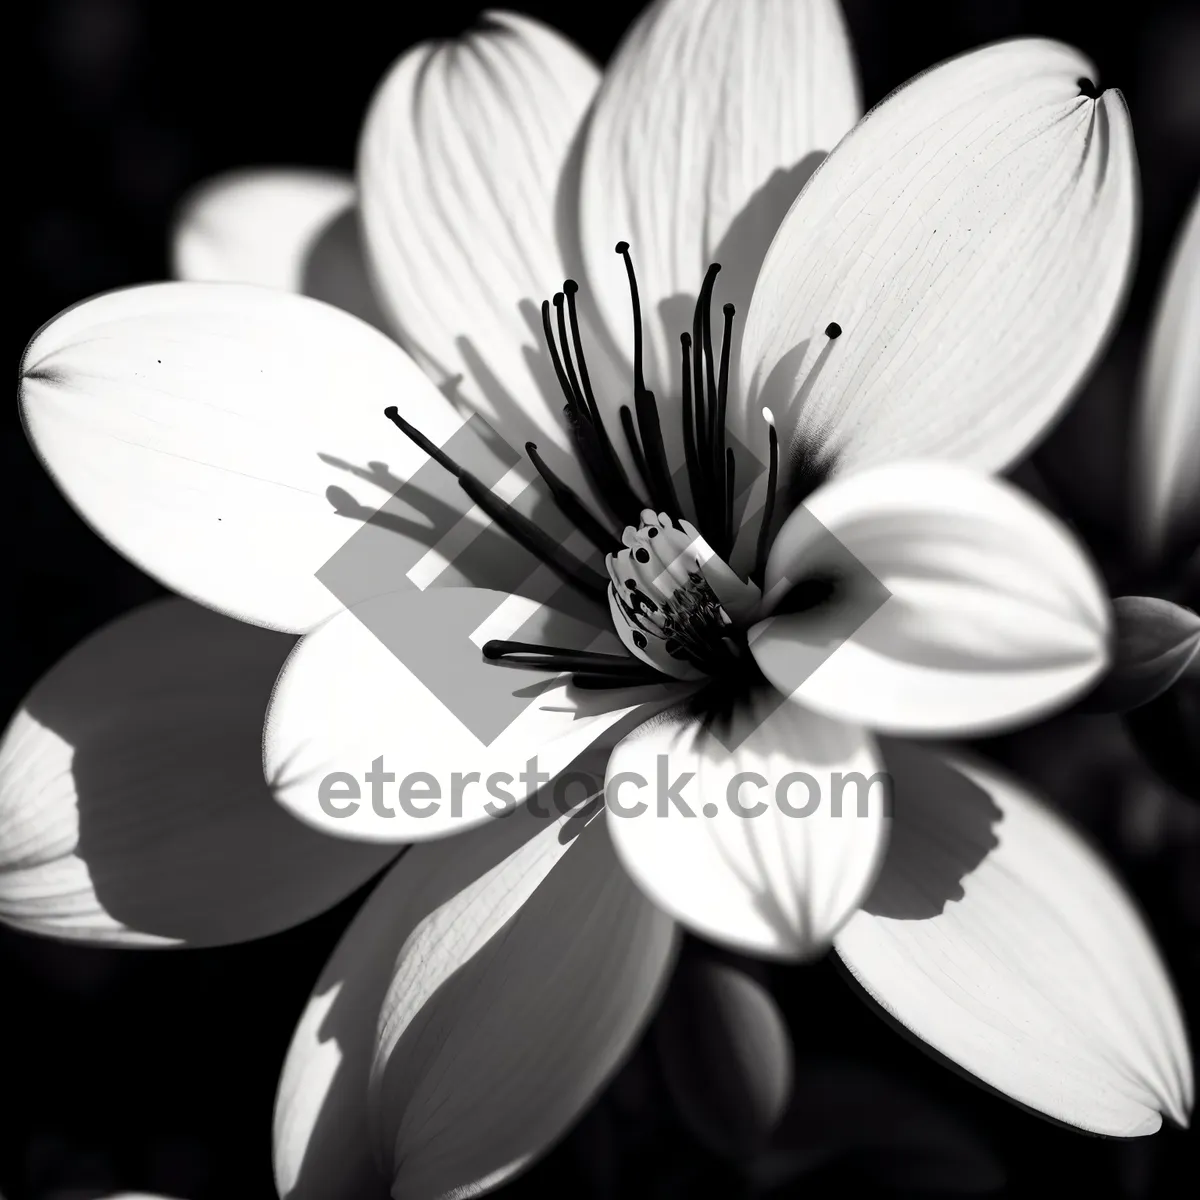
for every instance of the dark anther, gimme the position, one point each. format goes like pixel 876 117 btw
pixel 652 531
pixel 415 435
pixel 583 419
pixel 642 554
pixel 1087 88
pixel 639 640
pixel 833 330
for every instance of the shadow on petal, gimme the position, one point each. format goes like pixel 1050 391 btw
pixel 335 270
pixel 932 848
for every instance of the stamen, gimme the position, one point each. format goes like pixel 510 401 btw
pixel 571 506
pixel 639 380
pixel 520 528
pixel 1087 88
pixel 635 448
pixel 570 287
pixel 719 453
pixel 705 400
pixel 572 378
pixel 689 423
pixel 764 532
pixel 559 658
pixel 710 362
pixel 596 451
pixel 662 490
pixel 563 381
pixel 833 330
pixel 414 434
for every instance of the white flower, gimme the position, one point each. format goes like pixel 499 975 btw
pixel 921 311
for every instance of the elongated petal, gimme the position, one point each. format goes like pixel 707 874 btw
pixel 994 614
pixel 460 166
pixel 508 1009
pixel 725 1050
pixel 1000 939
pixel 401 682
pixel 712 116
pixel 744 832
pixel 1167 462
pixel 971 238
pixel 132 805
pixel 207 430
pixel 322 1139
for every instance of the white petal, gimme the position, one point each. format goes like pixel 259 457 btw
pixel 509 1006
pixel 294 229
pixel 745 833
pixel 132 805
pixel 972 237
pixel 322 1142
pixel 460 168
pixel 997 936
pixel 209 431
pixel 257 226
pixel 402 678
pixel 711 117
pixel 1167 459
pixel 994 615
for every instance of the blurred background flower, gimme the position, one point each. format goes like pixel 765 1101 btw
pixel 156 1073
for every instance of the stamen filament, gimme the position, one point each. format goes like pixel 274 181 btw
pixel 571 506
pixel 635 448
pixel 639 380
pixel 520 528
pixel 659 483
pixel 689 423
pixel 556 658
pixel 764 532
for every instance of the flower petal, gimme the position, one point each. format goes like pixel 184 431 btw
pixel 994 613
pixel 725 1051
pixel 509 1007
pixel 738 830
pixel 1167 467
pixel 322 1141
pixel 1154 644
pixel 999 938
pixel 972 238
pixel 295 229
pixel 400 681
pixel 132 805
pixel 711 117
pixel 460 166
pixel 256 226
pixel 203 429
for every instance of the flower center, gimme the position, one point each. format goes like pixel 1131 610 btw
pixel 679 609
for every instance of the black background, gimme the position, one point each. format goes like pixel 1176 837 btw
pixel 157 1070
